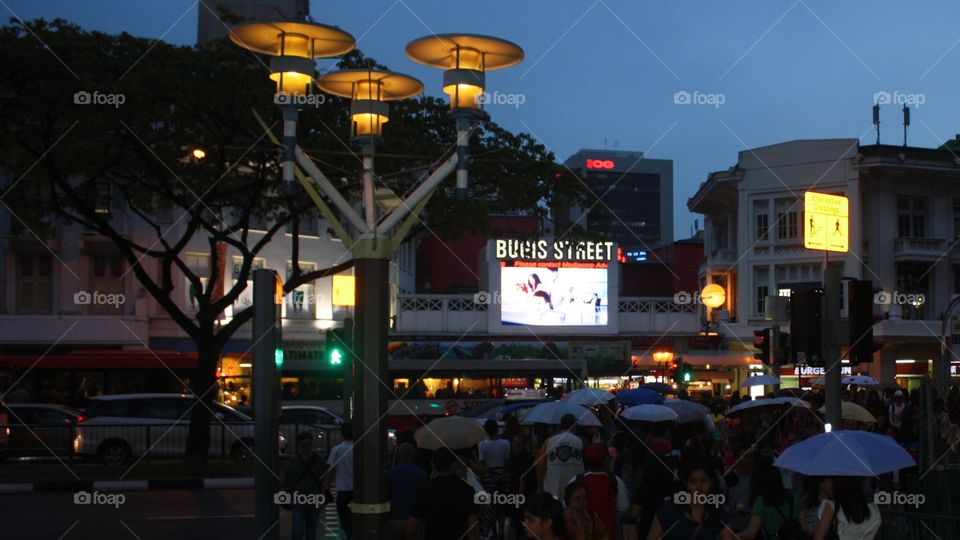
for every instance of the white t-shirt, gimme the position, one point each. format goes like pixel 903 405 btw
pixel 847 530
pixel 341 459
pixel 564 457
pixel 494 453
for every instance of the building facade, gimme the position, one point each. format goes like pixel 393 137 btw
pixel 904 212
pixel 634 198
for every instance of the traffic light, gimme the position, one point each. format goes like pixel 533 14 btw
pixel 861 318
pixel 339 343
pixel 805 327
pixel 687 373
pixel 762 340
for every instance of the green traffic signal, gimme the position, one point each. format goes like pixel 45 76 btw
pixel 336 357
pixel 687 376
pixel 278 356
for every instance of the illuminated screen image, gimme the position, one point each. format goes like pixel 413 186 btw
pixel 540 296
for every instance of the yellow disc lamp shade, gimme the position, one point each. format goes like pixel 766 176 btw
pixel 294 46
pixel 713 296
pixel 369 90
pixel 465 57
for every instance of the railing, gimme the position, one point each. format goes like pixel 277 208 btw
pixel 922 247
pixel 228 441
pixel 899 525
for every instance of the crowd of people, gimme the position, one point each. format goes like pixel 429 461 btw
pixel 640 480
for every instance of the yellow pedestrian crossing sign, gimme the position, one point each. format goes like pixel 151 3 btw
pixel 826 222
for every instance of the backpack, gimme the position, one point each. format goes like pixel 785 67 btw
pixel 790 529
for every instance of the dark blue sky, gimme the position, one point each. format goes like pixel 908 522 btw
pixel 609 70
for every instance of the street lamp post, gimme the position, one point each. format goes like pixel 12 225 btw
pixel 466 58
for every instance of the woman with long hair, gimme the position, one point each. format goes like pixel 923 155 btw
pixel 493 455
pixel 695 513
pixel 582 522
pixel 856 517
pixel 774 507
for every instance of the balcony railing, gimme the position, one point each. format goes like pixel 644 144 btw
pixel 919 249
pixel 450 313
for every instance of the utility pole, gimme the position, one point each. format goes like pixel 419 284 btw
pixel 830 343
pixel 267 301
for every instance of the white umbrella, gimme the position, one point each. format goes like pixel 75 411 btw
pixel 453 432
pixel 688 411
pixel 845 453
pixel 591 397
pixel 760 380
pixel 552 411
pixel 860 380
pixel 752 404
pixel 649 413
pixel 792 401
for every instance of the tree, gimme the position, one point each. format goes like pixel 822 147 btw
pixel 87 117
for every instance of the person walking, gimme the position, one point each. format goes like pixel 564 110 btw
pixel 446 507
pixel 493 455
pixel 303 486
pixel 405 479
pixel 341 477
pixel 856 517
pixel 582 523
pixel 776 510
pixel 560 458
pixel 688 516
pixel 606 493
pixel 543 518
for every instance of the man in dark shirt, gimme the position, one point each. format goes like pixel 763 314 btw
pixel 405 479
pixel 445 505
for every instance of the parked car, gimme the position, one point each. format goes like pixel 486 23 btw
pixel 321 421
pixel 117 428
pixel 38 429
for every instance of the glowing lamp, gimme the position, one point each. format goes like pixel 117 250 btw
pixel 662 356
pixel 369 90
pixel 293 45
pixel 465 58
pixel 713 296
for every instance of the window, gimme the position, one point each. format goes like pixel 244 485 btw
pixel 309 225
pixel 912 217
pixel 33 284
pixel 788 219
pixel 761 283
pixel 956 219
pixel 761 220
pixel 301 303
pixel 106 280
pixel 913 292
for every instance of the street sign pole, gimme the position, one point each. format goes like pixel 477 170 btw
pixel 830 345
pixel 266 333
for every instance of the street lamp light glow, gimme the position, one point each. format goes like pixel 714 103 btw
pixel 294 45
pixel 466 58
pixel 199 153
pixel 369 90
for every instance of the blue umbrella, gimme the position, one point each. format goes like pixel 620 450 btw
pixel 639 396
pixel 845 453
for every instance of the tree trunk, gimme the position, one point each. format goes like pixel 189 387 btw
pixel 203 384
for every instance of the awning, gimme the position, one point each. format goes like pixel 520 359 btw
pixel 699 358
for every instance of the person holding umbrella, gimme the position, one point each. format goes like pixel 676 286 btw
pixel 560 458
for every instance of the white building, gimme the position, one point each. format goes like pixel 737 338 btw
pixel 904 208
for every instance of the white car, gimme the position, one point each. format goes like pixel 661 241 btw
pixel 117 428
pixel 321 421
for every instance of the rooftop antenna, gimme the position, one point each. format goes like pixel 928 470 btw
pixel 876 119
pixel 906 122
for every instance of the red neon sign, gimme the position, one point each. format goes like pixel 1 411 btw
pixel 600 164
